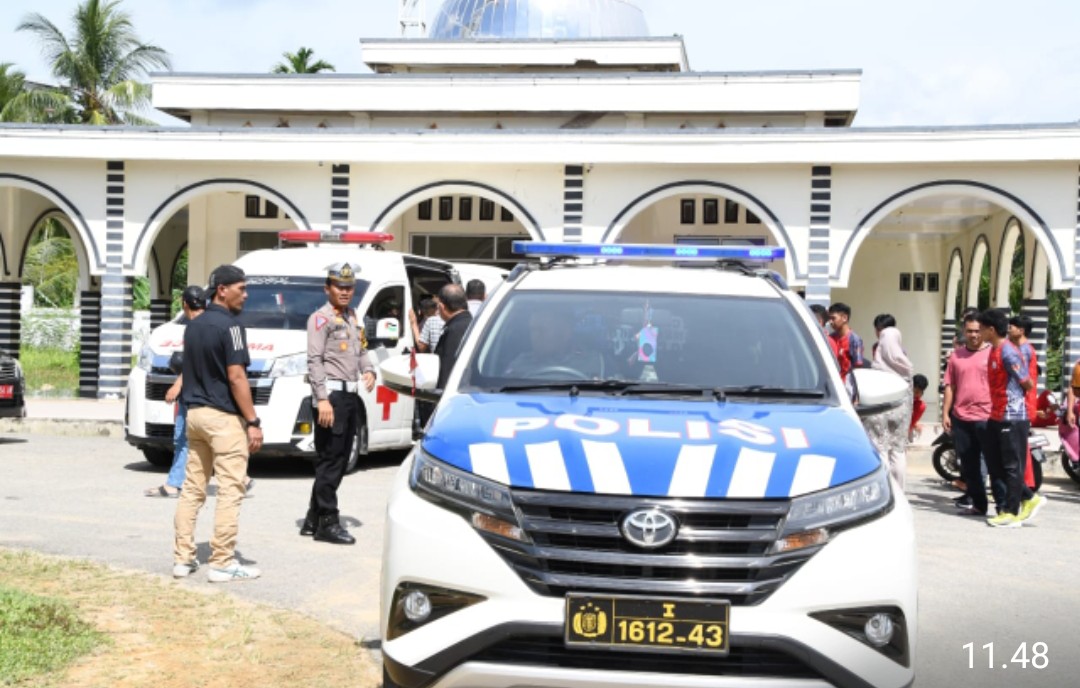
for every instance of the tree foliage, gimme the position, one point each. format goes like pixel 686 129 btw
pixel 97 69
pixel 300 63
pixel 51 266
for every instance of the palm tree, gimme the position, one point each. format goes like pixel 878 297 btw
pixel 23 101
pixel 12 83
pixel 298 63
pixel 96 67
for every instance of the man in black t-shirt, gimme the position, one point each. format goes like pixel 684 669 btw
pixel 222 428
pixel 454 310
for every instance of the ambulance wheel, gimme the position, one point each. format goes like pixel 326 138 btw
pixel 359 447
pixel 162 458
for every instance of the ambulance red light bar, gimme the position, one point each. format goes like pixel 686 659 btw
pixel 550 249
pixel 302 236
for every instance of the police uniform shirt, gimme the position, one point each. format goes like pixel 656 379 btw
pixel 334 349
pixel 212 342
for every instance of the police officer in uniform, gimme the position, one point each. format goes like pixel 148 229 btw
pixel 337 360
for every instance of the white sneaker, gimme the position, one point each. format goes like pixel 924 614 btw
pixel 185 570
pixel 233 572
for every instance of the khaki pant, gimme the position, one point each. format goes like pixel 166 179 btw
pixel 217 445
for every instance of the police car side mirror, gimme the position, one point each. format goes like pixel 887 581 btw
pixel 388 329
pixel 401 375
pixel 877 391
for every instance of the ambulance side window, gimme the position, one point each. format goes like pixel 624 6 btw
pixel 388 303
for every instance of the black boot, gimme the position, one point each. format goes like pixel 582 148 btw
pixel 310 521
pixel 330 530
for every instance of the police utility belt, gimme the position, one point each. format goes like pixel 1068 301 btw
pixel 342 386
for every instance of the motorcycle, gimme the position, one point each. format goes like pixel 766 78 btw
pixel 947 463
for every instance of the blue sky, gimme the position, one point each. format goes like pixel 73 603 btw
pixel 924 62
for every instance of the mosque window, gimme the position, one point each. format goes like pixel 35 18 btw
pixel 446 208
pixel 255 207
pixel 752 219
pixel 688 211
pixel 465 208
pixel 424 210
pixel 487 210
pixel 731 212
pixel 710 211
pixel 506 215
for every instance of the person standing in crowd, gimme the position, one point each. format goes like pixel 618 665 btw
pixel 965 412
pixel 822 315
pixel 336 361
pixel 454 310
pixel 1068 430
pixel 889 430
pixel 1019 331
pixel 846 345
pixel 1007 430
pixel 427 337
pixel 222 428
pixel 192 302
pixel 475 293
pixel 919 383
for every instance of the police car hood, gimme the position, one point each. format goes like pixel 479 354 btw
pixel 263 345
pixel 648 447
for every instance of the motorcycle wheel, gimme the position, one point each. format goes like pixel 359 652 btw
pixel 946 463
pixel 1071 468
pixel 1037 473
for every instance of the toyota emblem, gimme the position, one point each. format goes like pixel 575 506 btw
pixel 649 528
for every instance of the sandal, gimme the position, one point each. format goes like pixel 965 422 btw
pixel 160 491
pixel 249 486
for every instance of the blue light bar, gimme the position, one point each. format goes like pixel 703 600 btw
pixel 757 254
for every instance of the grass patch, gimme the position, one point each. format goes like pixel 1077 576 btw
pixel 50 372
pixel 168 634
pixel 39 635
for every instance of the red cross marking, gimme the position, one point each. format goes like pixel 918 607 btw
pixel 387 397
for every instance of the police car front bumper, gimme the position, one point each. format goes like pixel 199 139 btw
pixel 870 566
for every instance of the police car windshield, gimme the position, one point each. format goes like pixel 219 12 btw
pixel 284 303
pixel 542 340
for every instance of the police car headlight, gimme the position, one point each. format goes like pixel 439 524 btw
pixel 486 504
pixel 813 517
pixel 146 358
pixel 289 366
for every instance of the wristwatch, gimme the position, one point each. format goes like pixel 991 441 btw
pixel 257 423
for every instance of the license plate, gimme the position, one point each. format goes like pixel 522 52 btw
pixel 623 622
pixel 7 391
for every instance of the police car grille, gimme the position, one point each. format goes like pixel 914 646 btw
pixel 552 651
pixel 721 550
pixel 155 391
pixel 260 396
pixel 160 430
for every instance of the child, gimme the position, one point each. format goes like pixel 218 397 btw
pixel 918 406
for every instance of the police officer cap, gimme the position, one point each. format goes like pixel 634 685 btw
pixel 341 273
pixel 194 297
pixel 224 275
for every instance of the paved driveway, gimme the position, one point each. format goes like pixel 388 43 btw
pixel 82 497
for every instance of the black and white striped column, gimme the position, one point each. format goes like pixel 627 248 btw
pixel 116 288
pixel 1073 345
pixel 89 342
pixel 948 339
pixel 1039 311
pixel 10 311
pixel 339 198
pixel 573 201
pixel 817 284
pixel 160 309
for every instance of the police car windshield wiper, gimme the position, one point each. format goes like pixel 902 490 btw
pixel 673 389
pixel 573 386
pixel 766 391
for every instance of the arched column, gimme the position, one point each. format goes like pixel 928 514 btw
pixel 114 364
pixel 1072 351
pixel 949 324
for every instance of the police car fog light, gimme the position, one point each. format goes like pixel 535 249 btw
pixel 497 526
pixel 879 630
pixel 882 629
pixel 303 428
pixel 810 538
pixel 417 606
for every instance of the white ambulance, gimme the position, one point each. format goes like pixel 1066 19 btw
pixel 285 285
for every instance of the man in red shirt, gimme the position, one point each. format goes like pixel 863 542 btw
pixel 919 383
pixel 966 410
pixel 846 345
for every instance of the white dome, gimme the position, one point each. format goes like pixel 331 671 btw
pixel 539 19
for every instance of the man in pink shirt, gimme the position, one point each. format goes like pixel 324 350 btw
pixel 966 411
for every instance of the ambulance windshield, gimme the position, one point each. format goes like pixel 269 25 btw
pixel 284 303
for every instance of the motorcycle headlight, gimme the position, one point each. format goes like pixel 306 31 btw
pixel 814 517
pixel 487 505
pixel 146 358
pixel 289 366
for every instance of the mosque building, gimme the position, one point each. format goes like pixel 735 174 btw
pixel 562 120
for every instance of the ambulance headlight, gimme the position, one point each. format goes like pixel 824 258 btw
pixel 146 358
pixel 289 366
pixel 844 505
pixel 461 491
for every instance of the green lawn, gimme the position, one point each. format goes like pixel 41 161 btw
pixel 50 372
pixel 39 635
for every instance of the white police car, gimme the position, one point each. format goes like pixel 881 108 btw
pixel 646 476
